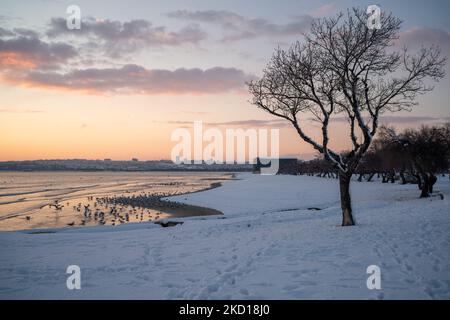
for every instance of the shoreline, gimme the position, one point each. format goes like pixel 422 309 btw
pixel 156 206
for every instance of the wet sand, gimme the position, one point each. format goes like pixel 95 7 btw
pixel 76 199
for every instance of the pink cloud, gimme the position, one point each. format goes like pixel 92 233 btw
pixel 425 36
pixel 134 79
pixel 324 10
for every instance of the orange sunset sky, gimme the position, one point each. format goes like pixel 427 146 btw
pixel 118 87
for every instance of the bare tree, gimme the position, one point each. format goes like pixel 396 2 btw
pixel 428 148
pixel 344 68
pixel 421 153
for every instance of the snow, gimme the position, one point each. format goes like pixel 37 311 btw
pixel 267 245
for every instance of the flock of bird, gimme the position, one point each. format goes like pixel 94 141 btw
pixel 143 200
pixel 121 209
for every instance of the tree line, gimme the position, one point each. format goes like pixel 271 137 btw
pixel 412 156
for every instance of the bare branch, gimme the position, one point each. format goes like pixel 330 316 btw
pixel 342 67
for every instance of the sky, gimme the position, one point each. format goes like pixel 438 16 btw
pixel 137 70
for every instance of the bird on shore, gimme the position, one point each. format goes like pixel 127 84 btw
pixel 56 205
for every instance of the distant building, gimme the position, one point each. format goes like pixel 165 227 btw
pixel 135 159
pixel 285 166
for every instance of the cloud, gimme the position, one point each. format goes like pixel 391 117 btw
pixel 26 33
pixel 239 27
pixel 134 79
pixel 22 49
pixel 281 123
pixel 5 32
pixel 383 119
pixel 253 123
pixel 239 123
pixel 6 19
pixel 416 37
pixel 413 119
pixel 28 59
pixel 324 10
pixel 404 119
pixel 117 38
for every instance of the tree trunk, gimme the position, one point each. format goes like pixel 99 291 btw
pixel 431 181
pixel 419 180
pixel 393 177
pixel 402 176
pixel 346 203
pixel 425 186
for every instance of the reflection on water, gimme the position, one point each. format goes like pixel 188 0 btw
pixel 31 200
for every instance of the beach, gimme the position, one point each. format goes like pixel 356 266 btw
pixel 269 244
pixel 36 200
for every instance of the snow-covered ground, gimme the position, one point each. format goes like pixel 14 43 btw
pixel 268 245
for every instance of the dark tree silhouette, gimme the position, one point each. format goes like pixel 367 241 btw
pixel 425 152
pixel 317 166
pixel 344 68
pixel 391 154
